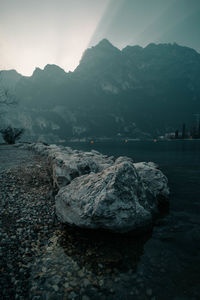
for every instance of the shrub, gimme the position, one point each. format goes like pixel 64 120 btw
pixel 10 134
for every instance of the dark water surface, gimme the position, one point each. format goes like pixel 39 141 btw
pixel 165 265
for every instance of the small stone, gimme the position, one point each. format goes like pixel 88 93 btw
pixel 73 283
pixel 101 282
pixel 55 287
pixel 44 269
pixel 69 289
pixel 66 285
pixel 13 279
pixel 86 282
pixel 80 273
pixel 85 297
pixel 72 295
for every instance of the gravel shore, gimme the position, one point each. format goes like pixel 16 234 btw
pixel 27 216
pixel 43 259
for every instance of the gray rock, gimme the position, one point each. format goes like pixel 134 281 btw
pixel 121 159
pixel 69 164
pixel 113 199
pixel 155 183
pixel 40 148
pixel 118 195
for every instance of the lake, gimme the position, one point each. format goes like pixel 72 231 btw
pixel 167 264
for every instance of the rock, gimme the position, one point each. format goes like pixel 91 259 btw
pixel 40 148
pixel 155 183
pixel 81 273
pixel 113 199
pixel 66 285
pixel 97 191
pixel 85 297
pixel 55 287
pixel 86 282
pixel 121 159
pixel 68 164
pixel 72 295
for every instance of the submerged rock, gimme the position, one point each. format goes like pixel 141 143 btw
pixel 114 199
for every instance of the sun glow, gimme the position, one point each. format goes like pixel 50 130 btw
pixel 36 33
pixel 46 33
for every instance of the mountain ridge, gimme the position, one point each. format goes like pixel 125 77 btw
pixel 137 47
pixel 135 92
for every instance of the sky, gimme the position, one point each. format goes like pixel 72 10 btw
pixel 34 33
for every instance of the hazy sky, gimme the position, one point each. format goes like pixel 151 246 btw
pixel 34 33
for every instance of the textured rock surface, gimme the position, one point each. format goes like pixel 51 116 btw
pixel 70 164
pixel 155 183
pixel 113 199
pixel 97 191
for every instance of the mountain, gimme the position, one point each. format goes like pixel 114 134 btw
pixel 134 93
pixel 9 79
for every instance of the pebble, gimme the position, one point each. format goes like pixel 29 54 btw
pixel 44 269
pixel 81 273
pixel 72 295
pixel 86 282
pixel 55 287
pixel 66 285
pixel 101 282
pixel 85 297
pixel 19 215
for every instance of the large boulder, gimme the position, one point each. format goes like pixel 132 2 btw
pixel 113 199
pixel 69 164
pixel 155 184
pixel 97 191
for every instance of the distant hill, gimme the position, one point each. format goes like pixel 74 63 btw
pixel 135 93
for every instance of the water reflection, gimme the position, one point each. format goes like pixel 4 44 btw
pixel 78 262
pixel 97 264
pixel 100 250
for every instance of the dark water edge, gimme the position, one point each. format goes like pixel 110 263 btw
pixel 166 263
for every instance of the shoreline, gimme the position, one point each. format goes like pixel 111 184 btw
pixel 42 260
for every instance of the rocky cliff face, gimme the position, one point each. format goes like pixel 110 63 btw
pixel 136 92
